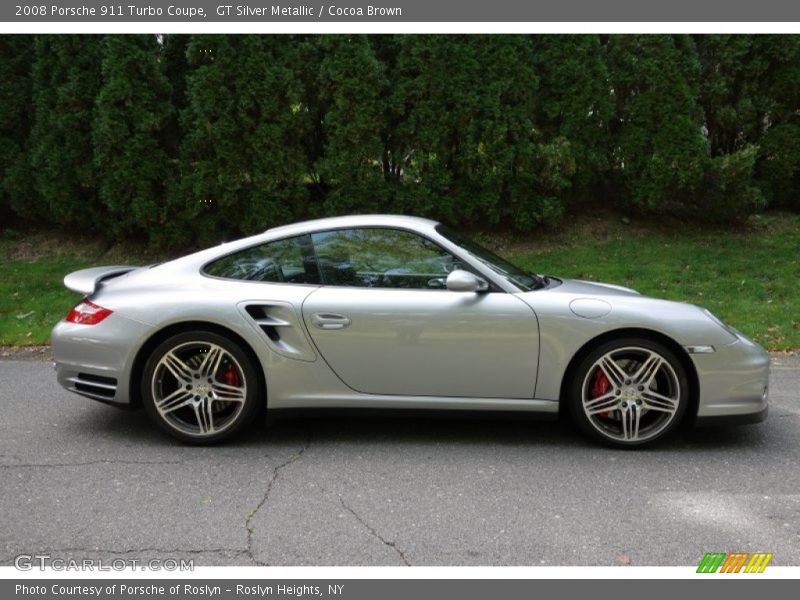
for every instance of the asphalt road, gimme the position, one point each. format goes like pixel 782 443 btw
pixel 79 479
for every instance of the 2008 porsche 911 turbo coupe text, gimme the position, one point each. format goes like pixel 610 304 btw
pixel 395 312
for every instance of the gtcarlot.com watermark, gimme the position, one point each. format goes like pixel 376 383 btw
pixel 42 562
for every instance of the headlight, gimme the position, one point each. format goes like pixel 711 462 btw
pixel 719 322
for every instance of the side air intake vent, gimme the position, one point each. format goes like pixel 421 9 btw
pixel 284 332
pixel 268 323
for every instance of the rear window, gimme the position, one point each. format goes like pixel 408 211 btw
pixel 283 261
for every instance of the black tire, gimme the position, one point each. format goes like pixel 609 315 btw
pixel 631 403
pixel 177 423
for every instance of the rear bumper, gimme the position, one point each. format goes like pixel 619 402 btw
pixel 95 361
pixel 734 383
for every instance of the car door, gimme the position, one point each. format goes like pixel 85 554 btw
pixel 386 324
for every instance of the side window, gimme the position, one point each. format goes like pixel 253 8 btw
pixel 384 258
pixel 283 261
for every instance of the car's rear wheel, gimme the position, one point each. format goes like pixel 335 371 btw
pixel 629 392
pixel 200 387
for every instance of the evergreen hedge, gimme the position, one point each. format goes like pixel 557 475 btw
pixel 191 139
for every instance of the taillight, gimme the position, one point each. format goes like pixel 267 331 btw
pixel 87 313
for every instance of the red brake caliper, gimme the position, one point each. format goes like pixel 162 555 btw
pixel 231 377
pixel 600 385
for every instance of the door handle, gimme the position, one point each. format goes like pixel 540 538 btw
pixel 329 321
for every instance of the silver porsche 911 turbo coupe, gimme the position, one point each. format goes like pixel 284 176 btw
pixel 382 311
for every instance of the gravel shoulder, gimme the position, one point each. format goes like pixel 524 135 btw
pixel 26 353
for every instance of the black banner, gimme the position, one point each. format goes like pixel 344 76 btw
pixel 733 588
pixel 199 11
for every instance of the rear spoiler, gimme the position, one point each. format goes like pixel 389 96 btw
pixel 86 281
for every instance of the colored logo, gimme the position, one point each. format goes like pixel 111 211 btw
pixel 735 562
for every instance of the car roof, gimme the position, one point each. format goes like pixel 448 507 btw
pixel 403 221
pixel 198 259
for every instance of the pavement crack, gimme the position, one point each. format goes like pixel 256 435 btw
pixel 374 532
pixel 248 522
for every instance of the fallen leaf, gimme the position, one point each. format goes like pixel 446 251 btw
pixel 622 559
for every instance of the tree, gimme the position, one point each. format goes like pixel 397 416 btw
pixel 439 94
pixel 133 108
pixel 574 102
pixel 729 90
pixel 661 154
pixel 750 93
pixel 242 159
pixel 778 166
pixel 16 187
pixel 176 67
pixel 66 79
pixel 467 124
pixel 350 91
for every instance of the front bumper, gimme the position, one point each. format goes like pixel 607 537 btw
pixel 96 360
pixel 731 420
pixel 734 383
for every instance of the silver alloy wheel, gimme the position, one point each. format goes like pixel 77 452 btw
pixel 199 388
pixel 631 394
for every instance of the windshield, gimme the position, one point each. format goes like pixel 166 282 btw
pixel 520 278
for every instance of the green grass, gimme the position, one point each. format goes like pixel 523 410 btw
pixel 33 299
pixel 32 268
pixel 749 278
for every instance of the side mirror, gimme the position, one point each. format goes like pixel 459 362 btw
pixel 464 281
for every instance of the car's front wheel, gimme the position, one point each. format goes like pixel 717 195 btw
pixel 629 392
pixel 200 387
